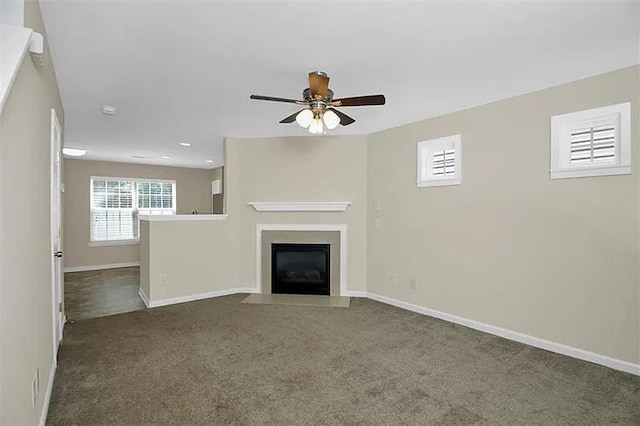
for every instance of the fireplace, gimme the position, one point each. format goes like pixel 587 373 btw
pixel 300 269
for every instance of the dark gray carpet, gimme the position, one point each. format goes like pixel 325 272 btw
pixel 220 361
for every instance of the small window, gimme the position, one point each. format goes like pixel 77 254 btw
pixel 596 142
pixel 117 203
pixel 440 161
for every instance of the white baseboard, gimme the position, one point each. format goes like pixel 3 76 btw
pixel 194 297
pixel 47 395
pixel 100 267
pixel 247 290
pixel 560 348
pixel 144 297
pixel 356 294
pixel 607 361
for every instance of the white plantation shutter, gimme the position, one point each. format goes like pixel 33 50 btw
pixel 593 144
pixel 117 203
pixel 444 162
pixel 439 161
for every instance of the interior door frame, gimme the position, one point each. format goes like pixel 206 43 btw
pixel 57 286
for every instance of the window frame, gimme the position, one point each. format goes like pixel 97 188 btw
pixel 162 210
pixel 428 148
pixel 135 208
pixel 563 125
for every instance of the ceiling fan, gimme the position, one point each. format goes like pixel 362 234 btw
pixel 319 105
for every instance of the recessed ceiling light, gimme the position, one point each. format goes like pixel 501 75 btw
pixel 73 152
pixel 166 157
pixel 209 161
pixel 184 144
pixel 109 110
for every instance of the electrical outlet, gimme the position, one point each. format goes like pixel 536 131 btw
pixel 394 279
pixel 163 279
pixel 376 206
pixel 376 223
pixel 412 283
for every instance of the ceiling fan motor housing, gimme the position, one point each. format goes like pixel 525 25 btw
pixel 317 105
pixel 306 95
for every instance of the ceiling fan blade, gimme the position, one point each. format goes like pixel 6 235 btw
pixel 291 118
pixel 319 84
pixel 359 101
pixel 270 98
pixel 345 120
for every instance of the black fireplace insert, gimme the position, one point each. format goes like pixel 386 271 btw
pixel 300 269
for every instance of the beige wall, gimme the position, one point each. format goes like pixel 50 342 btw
pixel 222 254
pixel 554 259
pixel 217 173
pixel 145 259
pixel 193 192
pixel 26 283
pixel 195 256
pixel 326 168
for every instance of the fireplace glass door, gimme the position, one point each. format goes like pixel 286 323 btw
pixel 300 269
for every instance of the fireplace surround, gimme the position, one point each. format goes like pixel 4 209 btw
pixel 333 234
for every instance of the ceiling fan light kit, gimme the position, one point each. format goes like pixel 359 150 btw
pixel 304 118
pixel 331 119
pixel 316 126
pixel 318 100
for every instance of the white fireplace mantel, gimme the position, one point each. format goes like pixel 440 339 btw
pixel 300 206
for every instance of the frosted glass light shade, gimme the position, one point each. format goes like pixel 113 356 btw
pixel 331 119
pixel 304 118
pixel 316 126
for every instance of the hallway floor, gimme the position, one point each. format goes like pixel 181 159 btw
pixel 94 294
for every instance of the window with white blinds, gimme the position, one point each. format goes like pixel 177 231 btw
pixel 594 142
pixel 116 204
pixel 440 161
pixel 156 198
pixel 112 212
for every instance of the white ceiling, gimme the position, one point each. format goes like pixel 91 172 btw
pixel 183 71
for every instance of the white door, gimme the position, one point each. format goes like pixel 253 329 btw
pixel 56 229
